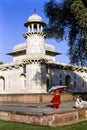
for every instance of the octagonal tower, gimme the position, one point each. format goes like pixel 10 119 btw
pixel 35 36
pixel 35 55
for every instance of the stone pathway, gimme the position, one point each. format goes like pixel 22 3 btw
pixel 42 114
pixel 34 109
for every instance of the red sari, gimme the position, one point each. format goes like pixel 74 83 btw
pixel 56 99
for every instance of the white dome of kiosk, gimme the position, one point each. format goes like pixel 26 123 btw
pixel 35 18
pixel 19 47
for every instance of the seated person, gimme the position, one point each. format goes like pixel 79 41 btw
pixel 80 103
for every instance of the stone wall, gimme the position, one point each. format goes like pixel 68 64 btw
pixel 50 120
pixel 33 98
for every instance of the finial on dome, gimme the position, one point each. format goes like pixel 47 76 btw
pixel 34 11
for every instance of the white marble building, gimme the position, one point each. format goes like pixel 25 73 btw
pixel 34 69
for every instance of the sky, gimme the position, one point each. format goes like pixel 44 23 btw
pixel 13 15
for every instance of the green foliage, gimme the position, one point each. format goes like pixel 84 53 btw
pixel 69 17
pixel 80 12
pixel 1 62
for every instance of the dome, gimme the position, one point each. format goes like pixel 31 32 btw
pixel 35 18
pixel 19 47
pixel 49 47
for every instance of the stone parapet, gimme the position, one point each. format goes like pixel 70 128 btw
pixel 32 98
pixel 67 67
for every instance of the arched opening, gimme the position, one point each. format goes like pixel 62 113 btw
pixel 60 82
pixel 22 81
pixel 2 83
pixel 68 81
pixel 74 84
pixel 48 82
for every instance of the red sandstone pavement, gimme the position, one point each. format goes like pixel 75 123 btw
pixel 42 114
pixel 37 109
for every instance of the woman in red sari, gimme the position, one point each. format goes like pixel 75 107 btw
pixel 56 99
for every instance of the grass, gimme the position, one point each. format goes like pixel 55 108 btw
pixel 7 125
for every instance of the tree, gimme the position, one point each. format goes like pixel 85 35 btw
pixel 69 17
pixel 79 8
pixel 1 63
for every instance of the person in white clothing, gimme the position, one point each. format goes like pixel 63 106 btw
pixel 80 103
